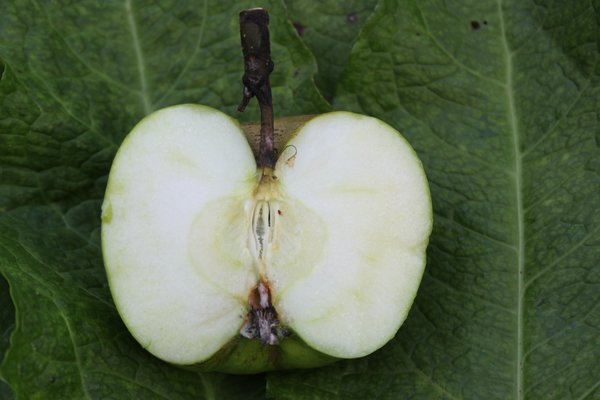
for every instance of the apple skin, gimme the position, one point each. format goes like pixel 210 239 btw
pixel 244 356
pixel 285 128
pixel 249 356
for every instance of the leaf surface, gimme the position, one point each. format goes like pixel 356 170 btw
pixel 329 29
pixel 500 99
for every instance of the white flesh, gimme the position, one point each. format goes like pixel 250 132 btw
pixel 175 180
pixel 343 247
pixel 366 186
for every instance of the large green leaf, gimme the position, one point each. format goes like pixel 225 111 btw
pixel 329 29
pixel 501 101
pixel 77 77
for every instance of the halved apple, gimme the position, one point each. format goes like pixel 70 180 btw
pixel 215 262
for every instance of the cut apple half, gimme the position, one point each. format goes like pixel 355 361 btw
pixel 215 262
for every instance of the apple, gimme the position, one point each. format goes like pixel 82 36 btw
pixel 217 264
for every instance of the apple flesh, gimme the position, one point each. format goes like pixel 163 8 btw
pixel 217 263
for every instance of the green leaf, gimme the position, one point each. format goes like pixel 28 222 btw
pixel 76 78
pixel 500 100
pixel 329 29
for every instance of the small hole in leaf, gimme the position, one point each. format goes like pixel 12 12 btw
pixel 351 18
pixel 475 25
pixel 485 22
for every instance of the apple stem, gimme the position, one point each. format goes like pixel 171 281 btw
pixel 254 32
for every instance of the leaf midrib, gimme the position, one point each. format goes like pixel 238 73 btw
pixel 518 185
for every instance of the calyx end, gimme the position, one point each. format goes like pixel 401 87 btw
pixel 262 321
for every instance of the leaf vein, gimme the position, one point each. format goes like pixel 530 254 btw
pixel 86 64
pixel 439 217
pixel 75 349
pixel 139 57
pixel 452 57
pixel 183 70
pixel 589 312
pixel 62 316
pixel 562 257
pixel 589 391
pixel 420 372
pixel 123 378
pixel 469 294
pixel 558 121
pixel 35 257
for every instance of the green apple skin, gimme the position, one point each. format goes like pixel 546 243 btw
pixel 234 353
pixel 249 356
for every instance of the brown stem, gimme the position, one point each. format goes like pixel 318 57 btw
pixel 254 31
